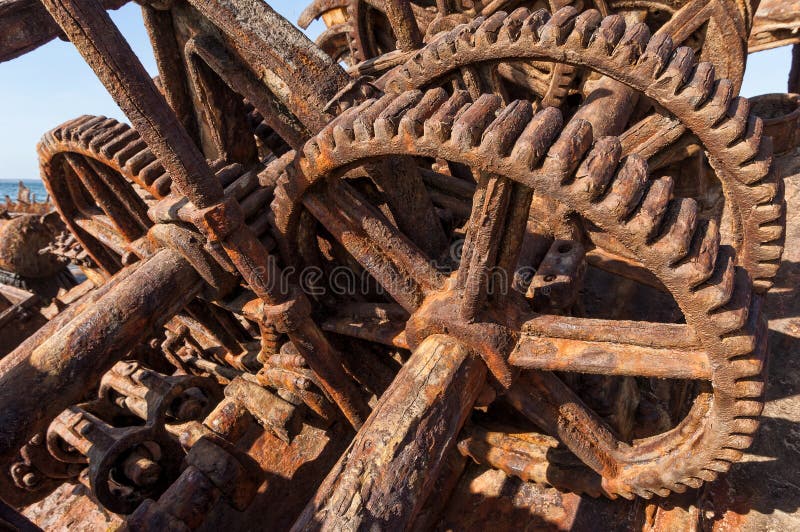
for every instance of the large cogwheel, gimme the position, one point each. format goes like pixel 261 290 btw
pixel 721 345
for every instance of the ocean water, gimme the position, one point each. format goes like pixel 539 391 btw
pixel 10 188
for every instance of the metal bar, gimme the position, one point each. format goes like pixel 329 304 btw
pixel 275 49
pixel 395 459
pixel 606 358
pixel 404 24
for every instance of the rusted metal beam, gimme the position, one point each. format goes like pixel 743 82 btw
pixel 404 24
pixel 385 477
pixel 277 51
pixel 608 358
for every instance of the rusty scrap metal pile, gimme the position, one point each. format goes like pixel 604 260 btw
pixel 368 282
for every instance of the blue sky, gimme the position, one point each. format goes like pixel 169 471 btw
pixel 44 88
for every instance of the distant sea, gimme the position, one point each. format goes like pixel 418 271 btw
pixel 9 188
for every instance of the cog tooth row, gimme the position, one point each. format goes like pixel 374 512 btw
pixel 739 152
pixel 116 143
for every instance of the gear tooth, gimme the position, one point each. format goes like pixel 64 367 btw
pixel 717 291
pixel 747 367
pixel 363 125
pixel 512 25
pixel 759 167
pixel 693 482
pixel 469 127
pixel 140 161
pixel 698 266
pixel 745 426
pixel 74 133
pixel 387 123
pixel 650 215
pixel 768 191
pixel 749 408
pixel 626 190
pixel 746 342
pixel 679 487
pixel 678 230
pixel 109 149
pixel 487 33
pixel 161 186
pixel 749 389
pixel 117 129
pixel 734 314
pixel 664 492
pixel 97 128
pixel 557 29
pixel 415 65
pixel 465 34
pixel 532 26
pixel 343 128
pixel 61 131
pixel 585 25
pixel 749 145
pixel 656 55
pixel 734 125
pixel 412 123
pixel 628 495
pixel 765 273
pixel 608 34
pixel 445 46
pixel 707 475
pixel 151 172
pixel 430 54
pixel 503 132
pixel 700 86
pixel 566 153
pixel 532 144
pixel 767 253
pixel 764 214
pixel 740 442
pixel 633 44
pixel 599 167
pixel 227 175
pixel 676 74
pixel 125 153
pixel 439 125
pixel 713 111
pixel 312 150
pixel 719 466
pixel 644 493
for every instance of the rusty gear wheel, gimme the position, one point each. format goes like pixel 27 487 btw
pixel 723 317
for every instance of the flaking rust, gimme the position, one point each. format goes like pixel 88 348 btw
pixel 456 265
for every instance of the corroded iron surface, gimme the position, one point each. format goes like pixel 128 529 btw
pixel 457 265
